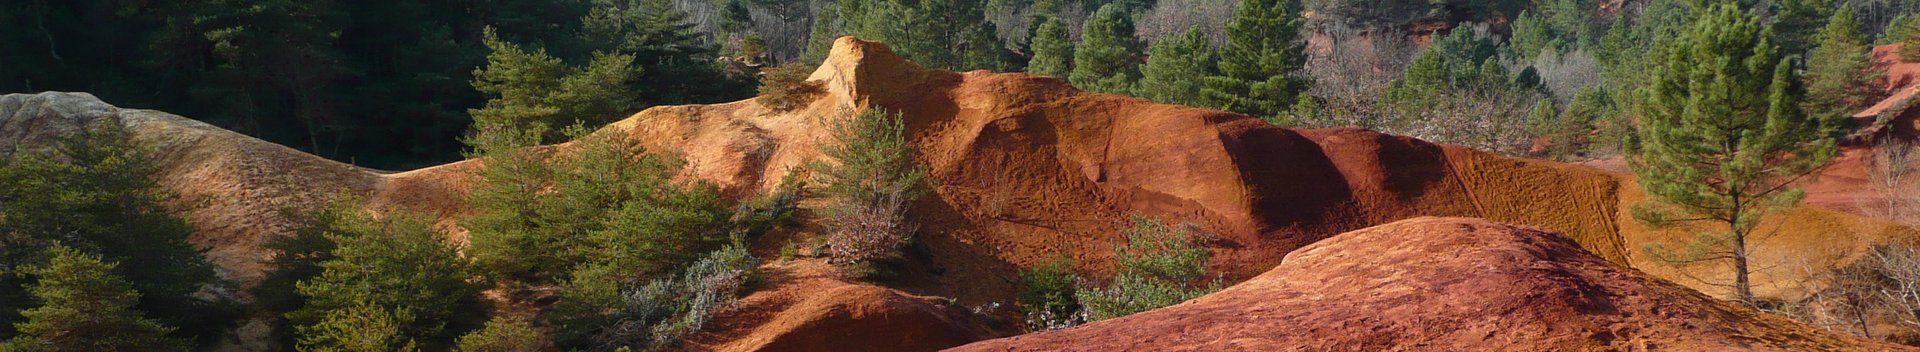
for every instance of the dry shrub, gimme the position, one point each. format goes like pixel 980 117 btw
pixel 785 87
pixel 1878 297
pixel 865 234
pixel 1889 175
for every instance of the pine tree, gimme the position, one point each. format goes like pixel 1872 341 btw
pixel 1712 151
pixel 948 34
pixel 531 90
pixel 95 192
pixel 1052 50
pixel 1909 34
pixel 1108 57
pixel 84 307
pixel 397 268
pixel 873 178
pixel 1572 22
pixel 820 36
pixel 1797 23
pixel 1176 69
pixel 1263 50
pixel 1837 78
pixel 660 41
pixel 1897 29
pixel 1531 35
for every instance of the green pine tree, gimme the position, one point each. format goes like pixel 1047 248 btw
pixel 948 34
pixel 359 327
pixel 1711 151
pixel 1531 35
pixel 1898 29
pixel 1176 69
pixel 95 192
pixel 1052 50
pixel 871 175
pixel 659 40
pixel 1108 57
pixel 1572 22
pixel 1837 79
pixel 1909 34
pixel 1797 23
pixel 1263 50
pixel 820 36
pixel 397 268
pixel 531 90
pixel 84 307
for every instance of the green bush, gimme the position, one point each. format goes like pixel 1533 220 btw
pixel 1158 266
pixel 785 87
pixel 1048 296
pixel 502 334
pixel 597 313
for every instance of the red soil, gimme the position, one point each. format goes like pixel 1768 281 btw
pixel 1444 284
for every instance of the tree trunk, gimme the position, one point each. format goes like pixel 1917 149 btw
pixel 1742 284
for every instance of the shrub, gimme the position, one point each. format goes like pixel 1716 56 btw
pixel 785 87
pixel 502 334
pixel 1047 296
pixel 1158 266
pixel 597 313
pixel 873 179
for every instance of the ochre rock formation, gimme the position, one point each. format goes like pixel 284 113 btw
pixel 1026 168
pixel 805 306
pixel 1445 284
pixel 1022 168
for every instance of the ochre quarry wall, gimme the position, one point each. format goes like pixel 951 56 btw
pixel 1026 168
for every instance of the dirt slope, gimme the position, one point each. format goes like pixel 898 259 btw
pixel 1444 284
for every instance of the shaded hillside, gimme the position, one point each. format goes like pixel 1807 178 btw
pixel 1444 284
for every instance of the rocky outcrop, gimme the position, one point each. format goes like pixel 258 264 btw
pixel 1445 284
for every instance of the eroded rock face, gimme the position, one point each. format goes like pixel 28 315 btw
pixel 1444 284
pixel 1025 168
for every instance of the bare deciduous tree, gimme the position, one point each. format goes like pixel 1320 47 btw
pixel 1350 69
pixel 1890 176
